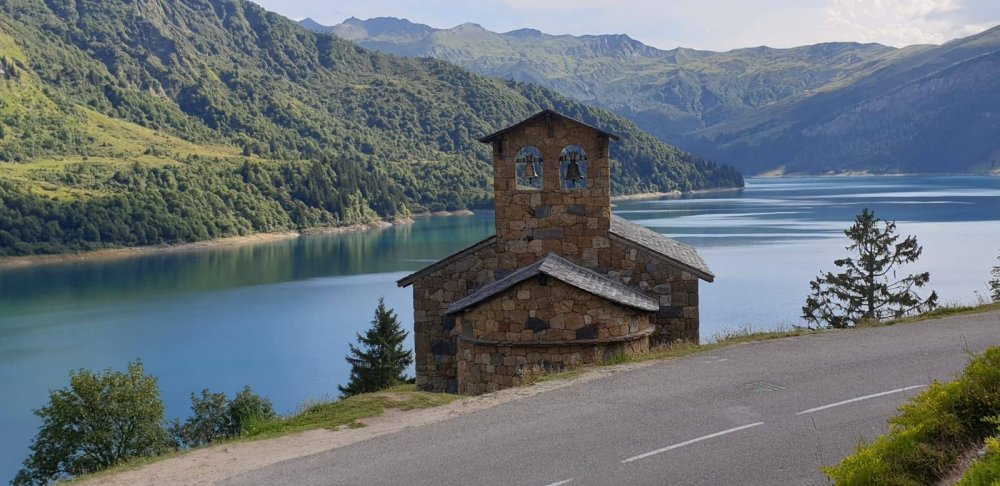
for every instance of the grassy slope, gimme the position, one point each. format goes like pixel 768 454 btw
pixel 931 431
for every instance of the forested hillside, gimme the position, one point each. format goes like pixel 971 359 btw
pixel 135 122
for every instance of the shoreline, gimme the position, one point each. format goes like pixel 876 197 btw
pixel 107 254
pixel 672 194
pixel 860 174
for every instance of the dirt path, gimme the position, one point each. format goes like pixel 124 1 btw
pixel 213 464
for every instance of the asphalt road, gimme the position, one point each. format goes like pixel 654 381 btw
pixel 771 412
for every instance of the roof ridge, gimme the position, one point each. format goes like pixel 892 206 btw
pixel 564 270
pixel 546 112
pixel 683 254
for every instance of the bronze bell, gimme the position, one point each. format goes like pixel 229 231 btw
pixel 529 170
pixel 573 171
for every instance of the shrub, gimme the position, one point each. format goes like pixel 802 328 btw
pixel 247 409
pixel 217 418
pixel 209 422
pixel 99 421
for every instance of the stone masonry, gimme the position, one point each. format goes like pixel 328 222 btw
pixel 539 327
pixel 513 327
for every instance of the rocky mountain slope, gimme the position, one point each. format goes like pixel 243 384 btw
pixel 833 107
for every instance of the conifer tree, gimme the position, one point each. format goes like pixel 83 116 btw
pixel 865 290
pixel 379 360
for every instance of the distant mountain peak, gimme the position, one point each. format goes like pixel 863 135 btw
pixel 313 25
pixel 468 27
pixel 525 33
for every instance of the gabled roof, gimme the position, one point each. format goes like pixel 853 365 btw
pixel 684 255
pixel 567 272
pixel 409 279
pixel 542 114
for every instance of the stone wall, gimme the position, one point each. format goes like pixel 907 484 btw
pixel 542 325
pixel 533 327
pixel 533 223
pixel 654 275
pixel 435 346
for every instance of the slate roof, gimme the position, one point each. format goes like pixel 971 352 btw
pixel 565 271
pixel 413 277
pixel 493 136
pixel 685 255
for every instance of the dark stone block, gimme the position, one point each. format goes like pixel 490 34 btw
pixel 651 268
pixel 448 323
pixel 576 209
pixel 670 313
pixel 543 211
pixel 535 324
pixel 443 347
pixel 548 234
pixel 587 332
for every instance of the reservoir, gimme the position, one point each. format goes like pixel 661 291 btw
pixel 278 316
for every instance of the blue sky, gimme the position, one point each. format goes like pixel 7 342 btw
pixel 702 24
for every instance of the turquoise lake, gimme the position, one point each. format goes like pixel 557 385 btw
pixel 278 316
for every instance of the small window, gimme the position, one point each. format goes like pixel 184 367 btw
pixel 573 168
pixel 528 165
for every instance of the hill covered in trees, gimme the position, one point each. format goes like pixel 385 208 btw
pixel 824 108
pixel 136 122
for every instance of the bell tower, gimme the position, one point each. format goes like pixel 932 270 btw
pixel 552 186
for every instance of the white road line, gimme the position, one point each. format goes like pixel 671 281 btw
pixel 560 483
pixel 866 397
pixel 689 442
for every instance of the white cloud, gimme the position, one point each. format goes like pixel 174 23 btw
pixel 901 22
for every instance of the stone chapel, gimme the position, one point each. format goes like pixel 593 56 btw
pixel 562 283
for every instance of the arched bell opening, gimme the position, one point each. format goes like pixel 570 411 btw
pixel 573 168
pixel 528 167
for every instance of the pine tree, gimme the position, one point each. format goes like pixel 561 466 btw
pixel 865 290
pixel 379 360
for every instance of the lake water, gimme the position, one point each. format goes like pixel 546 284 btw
pixel 278 316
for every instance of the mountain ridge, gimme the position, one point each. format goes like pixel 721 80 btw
pixel 759 108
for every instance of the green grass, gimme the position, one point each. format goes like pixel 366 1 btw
pixel 950 310
pixel 348 411
pixel 931 431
